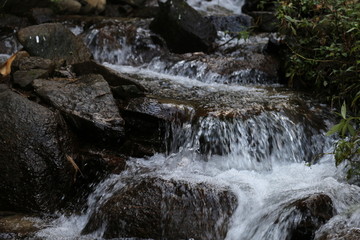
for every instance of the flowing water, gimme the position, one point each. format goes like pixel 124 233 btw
pixel 260 152
pixel 262 159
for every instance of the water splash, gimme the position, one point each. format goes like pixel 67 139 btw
pixel 217 6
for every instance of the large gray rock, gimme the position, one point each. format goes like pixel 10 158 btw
pixel 183 28
pixel 53 41
pixel 165 209
pixel 35 172
pixel 87 102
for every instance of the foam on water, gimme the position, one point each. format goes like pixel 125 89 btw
pixel 215 6
pixel 261 195
pixel 184 80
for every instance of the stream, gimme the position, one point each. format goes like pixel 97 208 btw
pixel 254 138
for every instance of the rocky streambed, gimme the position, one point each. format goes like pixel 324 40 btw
pixel 161 125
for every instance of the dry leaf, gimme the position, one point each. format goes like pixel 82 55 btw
pixel 76 167
pixel 5 69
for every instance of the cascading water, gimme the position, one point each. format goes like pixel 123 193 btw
pixel 261 159
pixel 250 141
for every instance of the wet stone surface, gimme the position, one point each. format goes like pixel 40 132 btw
pixel 158 208
pixel 53 41
pixel 35 142
pixel 87 102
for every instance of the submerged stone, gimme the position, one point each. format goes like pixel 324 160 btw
pixel 165 209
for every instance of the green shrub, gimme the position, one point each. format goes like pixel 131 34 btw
pixel 323 39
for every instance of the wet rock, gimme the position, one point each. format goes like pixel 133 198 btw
pixel 146 119
pixel 308 215
pixel 20 7
pixel 345 226
pixel 123 86
pixel 232 24
pixel 345 234
pixel 165 209
pixel 24 62
pixel 144 135
pixel 17 226
pixel 87 102
pixel 81 6
pixel 35 143
pixel 53 41
pixel 146 12
pixel 42 15
pixel 250 69
pixel 69 6
pixel 122 41
pixel 183 28
pixel 161 108
pixel 25 78
pixel 93 6
pixel 95 163
pixel 26 69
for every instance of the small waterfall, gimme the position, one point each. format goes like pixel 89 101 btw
pixel 255 143
pixel 260 151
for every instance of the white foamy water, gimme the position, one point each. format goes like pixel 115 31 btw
pixel 217 6
pixel 155 72
pixel 261 194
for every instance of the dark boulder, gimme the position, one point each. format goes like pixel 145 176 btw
pixel 303 217
pixel 146 121
pixel 183 28
pixel 87 102
pixel 313 212
pixel 35 146
pixel 53 41
pixel 165 209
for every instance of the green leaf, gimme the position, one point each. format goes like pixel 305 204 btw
pixel 336 128
pixel 351 130
pixel 343 110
